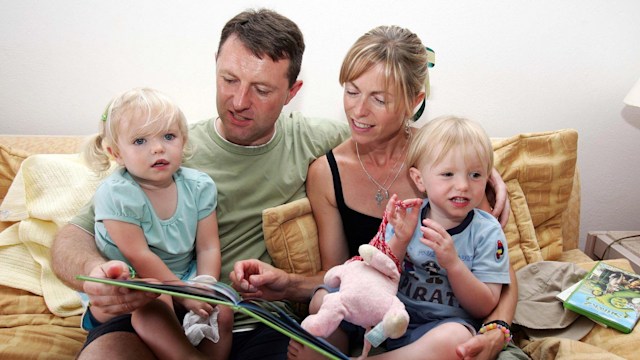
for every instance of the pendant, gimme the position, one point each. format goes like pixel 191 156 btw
pixel 381 194
pixel 379 197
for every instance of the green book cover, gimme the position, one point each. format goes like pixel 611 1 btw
pixel 223 294
pixel 608 295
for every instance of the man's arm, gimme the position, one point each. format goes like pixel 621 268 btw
pixel 254 278
pixel 74 252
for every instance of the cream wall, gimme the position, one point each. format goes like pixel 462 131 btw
pixel 515 66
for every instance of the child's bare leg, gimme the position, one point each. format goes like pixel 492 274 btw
pixel 338 339
pixel 439 343
pixel 221 349
pixel 158 326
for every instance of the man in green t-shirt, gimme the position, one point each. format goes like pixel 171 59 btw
pixel 258 157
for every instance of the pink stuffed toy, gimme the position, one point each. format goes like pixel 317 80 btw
pixel 366 298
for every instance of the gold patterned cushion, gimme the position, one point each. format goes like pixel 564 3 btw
pixel 538 169
pixel 291 237
pixel 520 233
pixel 543 166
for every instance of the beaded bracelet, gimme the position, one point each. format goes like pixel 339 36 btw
pixel 494 325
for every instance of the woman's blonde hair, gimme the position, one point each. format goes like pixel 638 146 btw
pixel 437 137
pixel 160 112
pixel 402 55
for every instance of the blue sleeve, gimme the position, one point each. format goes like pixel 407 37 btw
pixel 491 257
pixel 206 195
pixel 116 199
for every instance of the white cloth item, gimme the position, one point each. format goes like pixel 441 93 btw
pixel 198 328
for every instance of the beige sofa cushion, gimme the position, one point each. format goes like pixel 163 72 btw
pixel 543 167
pixel 292 237
pixel 15 148
pixel 538 169
pixel 10 160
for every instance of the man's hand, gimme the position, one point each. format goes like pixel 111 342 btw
pixel 108 301
pixel 254 278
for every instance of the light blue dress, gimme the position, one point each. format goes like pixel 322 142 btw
pixel 120 198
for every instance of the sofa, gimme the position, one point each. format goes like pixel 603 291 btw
pixel 43 183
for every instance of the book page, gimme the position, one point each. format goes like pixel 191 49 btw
pixel 223 294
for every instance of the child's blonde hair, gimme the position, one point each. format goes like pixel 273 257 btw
pixel 437 137
pixel 159 110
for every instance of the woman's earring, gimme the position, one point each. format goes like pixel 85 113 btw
pixel 407 128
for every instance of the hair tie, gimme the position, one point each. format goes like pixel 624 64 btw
pixel 431 62
pixel 105 114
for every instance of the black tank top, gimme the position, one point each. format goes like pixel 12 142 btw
pixel 359 228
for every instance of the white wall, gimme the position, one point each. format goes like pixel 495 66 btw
pixel 515 66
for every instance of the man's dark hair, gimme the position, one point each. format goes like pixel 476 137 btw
pixel 265 32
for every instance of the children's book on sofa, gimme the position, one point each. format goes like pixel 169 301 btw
pixel 223 294
pixel 609 296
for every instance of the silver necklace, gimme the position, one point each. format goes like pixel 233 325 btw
pixel 383 191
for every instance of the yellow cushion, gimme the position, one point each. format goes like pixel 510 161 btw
pixel 53 188
pixel 520 233
pixel 543 166
pixel 291 237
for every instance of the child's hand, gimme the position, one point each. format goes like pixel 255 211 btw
pixel 200 308
pixel 439 240
pixel 404 222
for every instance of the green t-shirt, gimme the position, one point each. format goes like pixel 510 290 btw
pixel 251 179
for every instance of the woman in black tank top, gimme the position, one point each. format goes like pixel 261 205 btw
pixel 359 228
pixel 385 77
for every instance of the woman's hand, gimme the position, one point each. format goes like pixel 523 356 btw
pixel 498 196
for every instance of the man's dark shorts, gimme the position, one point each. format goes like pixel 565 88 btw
pixel 259 343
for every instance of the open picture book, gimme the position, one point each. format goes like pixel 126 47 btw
pixel 223 294
pixel 608 295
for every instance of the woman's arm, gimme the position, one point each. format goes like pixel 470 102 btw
pixel 331 238
pixel 498 196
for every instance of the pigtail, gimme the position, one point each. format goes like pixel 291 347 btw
pixel 95 155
